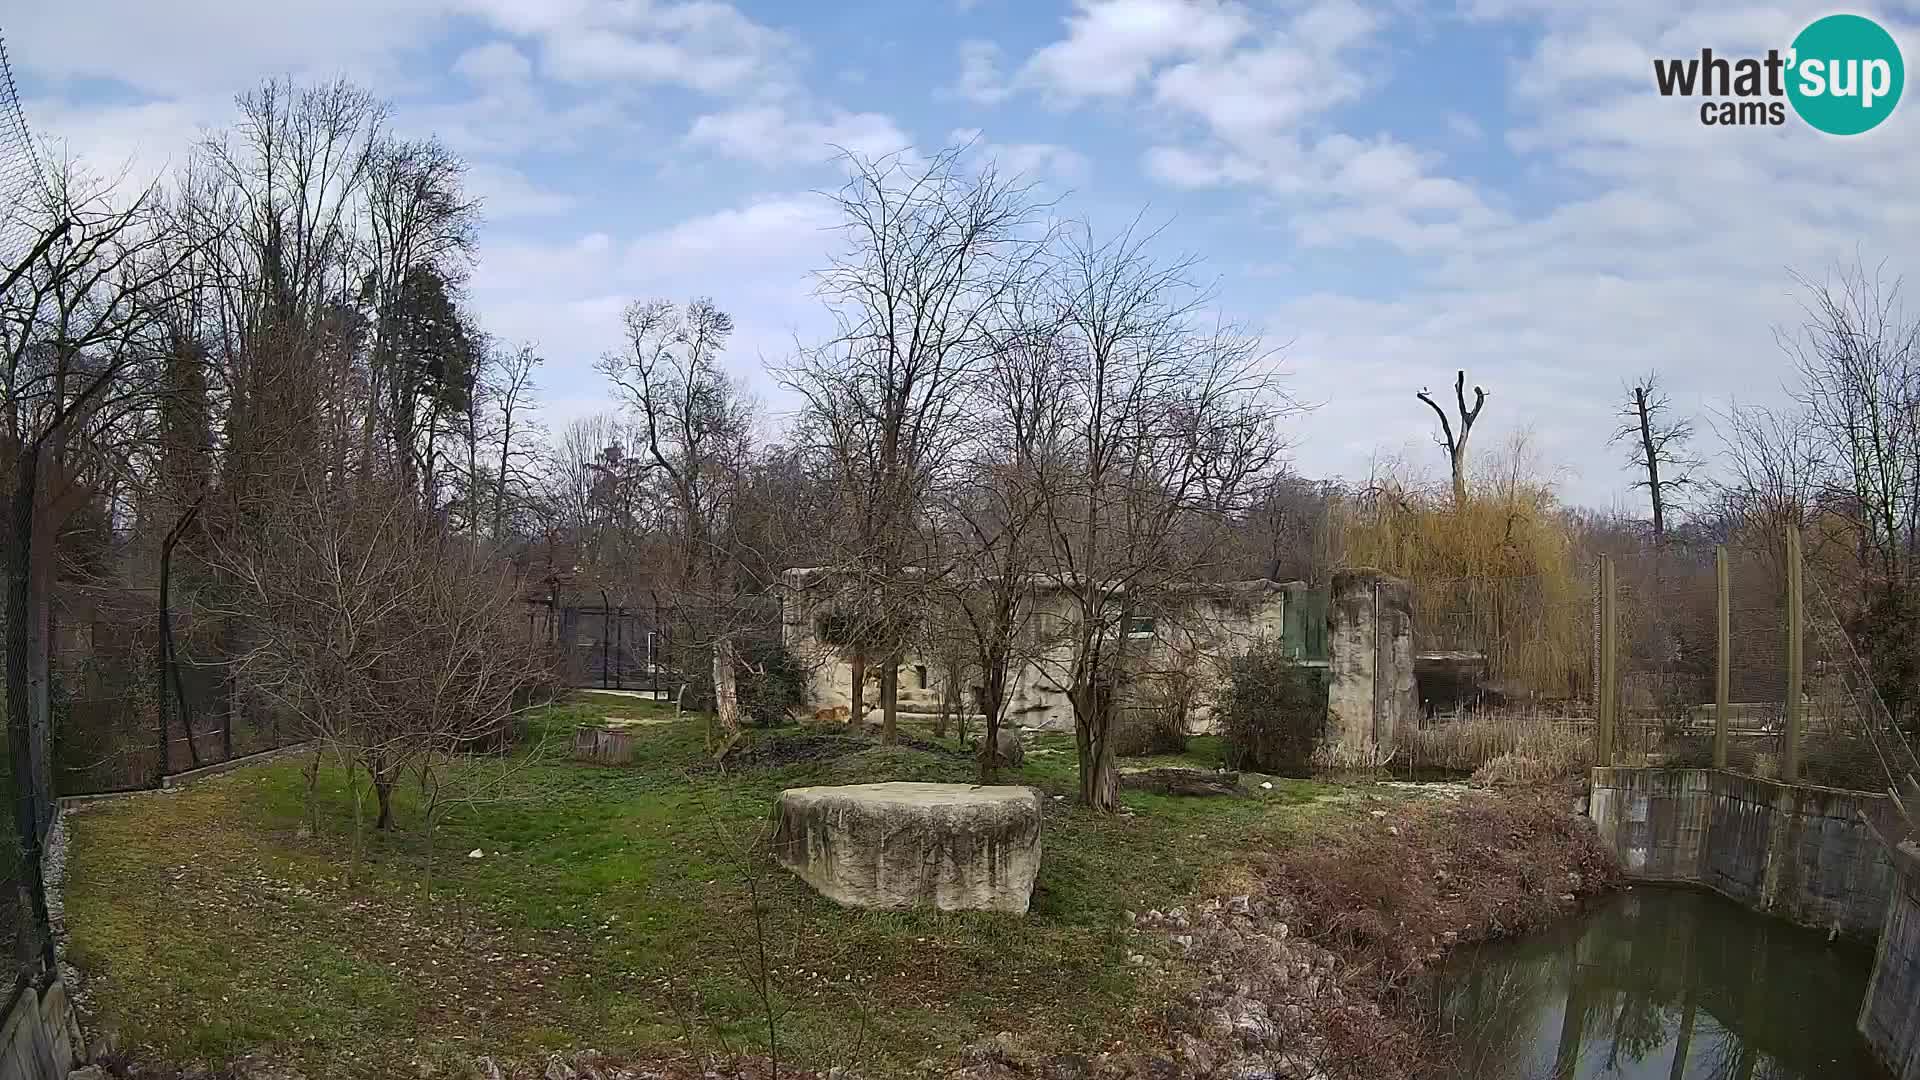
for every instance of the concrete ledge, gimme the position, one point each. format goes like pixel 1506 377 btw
pixel 1795 851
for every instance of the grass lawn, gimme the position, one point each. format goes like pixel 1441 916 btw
pixel 609 908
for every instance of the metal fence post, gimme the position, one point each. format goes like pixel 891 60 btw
pixel 1723 665
pixel 1609 661
pixel 1796 710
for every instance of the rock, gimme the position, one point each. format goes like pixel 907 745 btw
pixel 1196 1054
pixel 1182 782
pixel 1240 905
pixel 476 853
pixel 1008 750
pixel 559 1070
pixel 1067 1067
pixel 485 1069
pixel 88 1072
pixel 956 847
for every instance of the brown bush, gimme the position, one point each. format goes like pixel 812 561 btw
pixel 1392 893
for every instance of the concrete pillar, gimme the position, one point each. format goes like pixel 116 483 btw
pixel 1370 690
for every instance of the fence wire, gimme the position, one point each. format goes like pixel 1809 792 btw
pixel 1667 652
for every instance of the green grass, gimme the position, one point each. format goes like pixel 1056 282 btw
pixel 609 908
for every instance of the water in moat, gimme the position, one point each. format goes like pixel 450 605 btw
pixel 1658 983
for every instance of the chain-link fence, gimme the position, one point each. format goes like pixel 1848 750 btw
pixel 1798 699
pixel 27 783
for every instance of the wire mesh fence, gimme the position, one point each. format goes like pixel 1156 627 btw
pixel 1799 700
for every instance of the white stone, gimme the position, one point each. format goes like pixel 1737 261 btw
pixel 956 847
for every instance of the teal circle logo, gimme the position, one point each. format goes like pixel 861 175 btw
pixel 1845 74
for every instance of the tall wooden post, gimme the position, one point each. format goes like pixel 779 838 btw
pixel 1609 659
pixel 1723 666
pixel 1796 711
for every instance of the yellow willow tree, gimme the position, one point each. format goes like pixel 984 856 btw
pixel 1495 572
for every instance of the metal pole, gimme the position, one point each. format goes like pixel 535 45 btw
pixel 1609 659
pixel 620 643
pixel 1796 718
pixel 606 634
pixel 1723 667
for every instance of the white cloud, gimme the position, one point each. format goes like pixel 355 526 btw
pixel 1031 160
pixel 506 193
pixel 981 79
pixel 496 61
pixel 774 135
pixel 1111 45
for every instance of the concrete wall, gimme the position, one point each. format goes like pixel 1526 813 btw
pixel 1195 632
pixel 38 1035
pixel 1370 687
pixel 1890 1014
pixel 1794 851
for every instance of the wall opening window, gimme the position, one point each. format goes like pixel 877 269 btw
pixel 1140 626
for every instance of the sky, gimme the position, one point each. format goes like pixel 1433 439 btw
pixel 1388 192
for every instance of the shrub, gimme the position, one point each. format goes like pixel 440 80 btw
pixel 773 686
pixel 1149 731
pixel 1272 712
pixel 1554 747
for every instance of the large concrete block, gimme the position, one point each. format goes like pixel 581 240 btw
pixel 956 847
pixel 1370 685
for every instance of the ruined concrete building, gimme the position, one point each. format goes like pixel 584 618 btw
pixel 1178 649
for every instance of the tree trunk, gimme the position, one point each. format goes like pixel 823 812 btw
pixel 890 701
pixel 1652 456
pixel 1457 459
pixel 383 790
pixel 1093 730
pixel 856 712
pixel 992 692
pixel 40 626
pixel 726 693
pixel 170 683
pixel 20 620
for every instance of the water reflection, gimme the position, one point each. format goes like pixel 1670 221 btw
pixel 1658 983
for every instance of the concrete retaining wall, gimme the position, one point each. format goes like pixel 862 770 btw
pixel 1890 1014
pixel 1794 851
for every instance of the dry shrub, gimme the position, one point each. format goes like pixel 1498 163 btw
pixel 1389 894
pixel 1149 732
pixel 1497 573
pixel 1515 770
pixel 1558 747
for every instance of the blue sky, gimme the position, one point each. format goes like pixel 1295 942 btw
pixel 1388 191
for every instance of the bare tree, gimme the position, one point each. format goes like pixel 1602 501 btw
pixel 1658 445
pixel 695 428
pixel 1858 355
pixel 1167 425
pixel 1455 444
pixel 385 634
pixel 932 251
pixel 77 327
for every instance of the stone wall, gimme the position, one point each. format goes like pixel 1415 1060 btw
pixel 1794 851
pixel 1887 1015
pixel 1370 687
pixel 1189 632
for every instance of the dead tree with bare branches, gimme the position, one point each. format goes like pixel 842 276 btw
pixel 1658 445
pixel 1455 444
